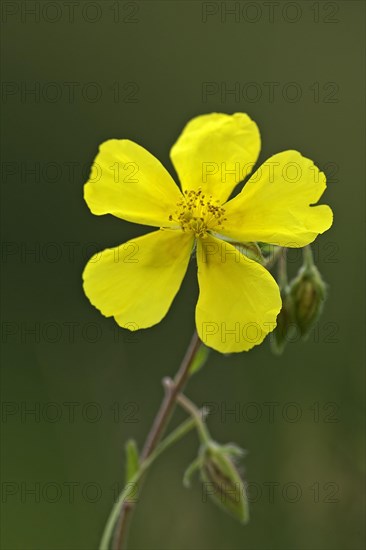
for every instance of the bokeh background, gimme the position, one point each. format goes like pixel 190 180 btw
pixel 74 386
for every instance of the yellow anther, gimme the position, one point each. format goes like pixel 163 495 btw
pixel 198 214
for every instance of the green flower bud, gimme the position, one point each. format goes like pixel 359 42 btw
pixel 222 481
pixel 308 292
pixel 285 323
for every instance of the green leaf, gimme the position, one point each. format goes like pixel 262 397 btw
pixel 200 359
pixel 233 450
pixel 132 459
pixel 192 468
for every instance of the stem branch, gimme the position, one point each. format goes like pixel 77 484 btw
pixel 172 438
pixel 197 416
pixel 156 432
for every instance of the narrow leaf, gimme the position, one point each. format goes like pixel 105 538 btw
pixel 200 359
pixel 132 459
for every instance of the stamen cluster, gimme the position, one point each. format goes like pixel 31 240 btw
pixel 198 213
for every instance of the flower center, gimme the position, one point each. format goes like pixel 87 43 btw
pixel 198 213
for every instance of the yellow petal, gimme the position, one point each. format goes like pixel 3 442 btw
pixel 136 282
pixel 130 183
pixel 275 204
pixel 215 152
pixel 239 300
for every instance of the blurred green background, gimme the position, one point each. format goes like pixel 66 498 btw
pixel 74 387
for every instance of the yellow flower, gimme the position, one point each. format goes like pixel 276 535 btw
pixel 239 300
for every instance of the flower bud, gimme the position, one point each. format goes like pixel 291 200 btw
pixel 222 481
pixel 308 292
pixel 285 323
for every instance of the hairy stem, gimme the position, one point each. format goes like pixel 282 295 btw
pixel 273 258
pixel 308 257
pixel 157 429
pixel 197 416
pixel 172 438
pixel 282 269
